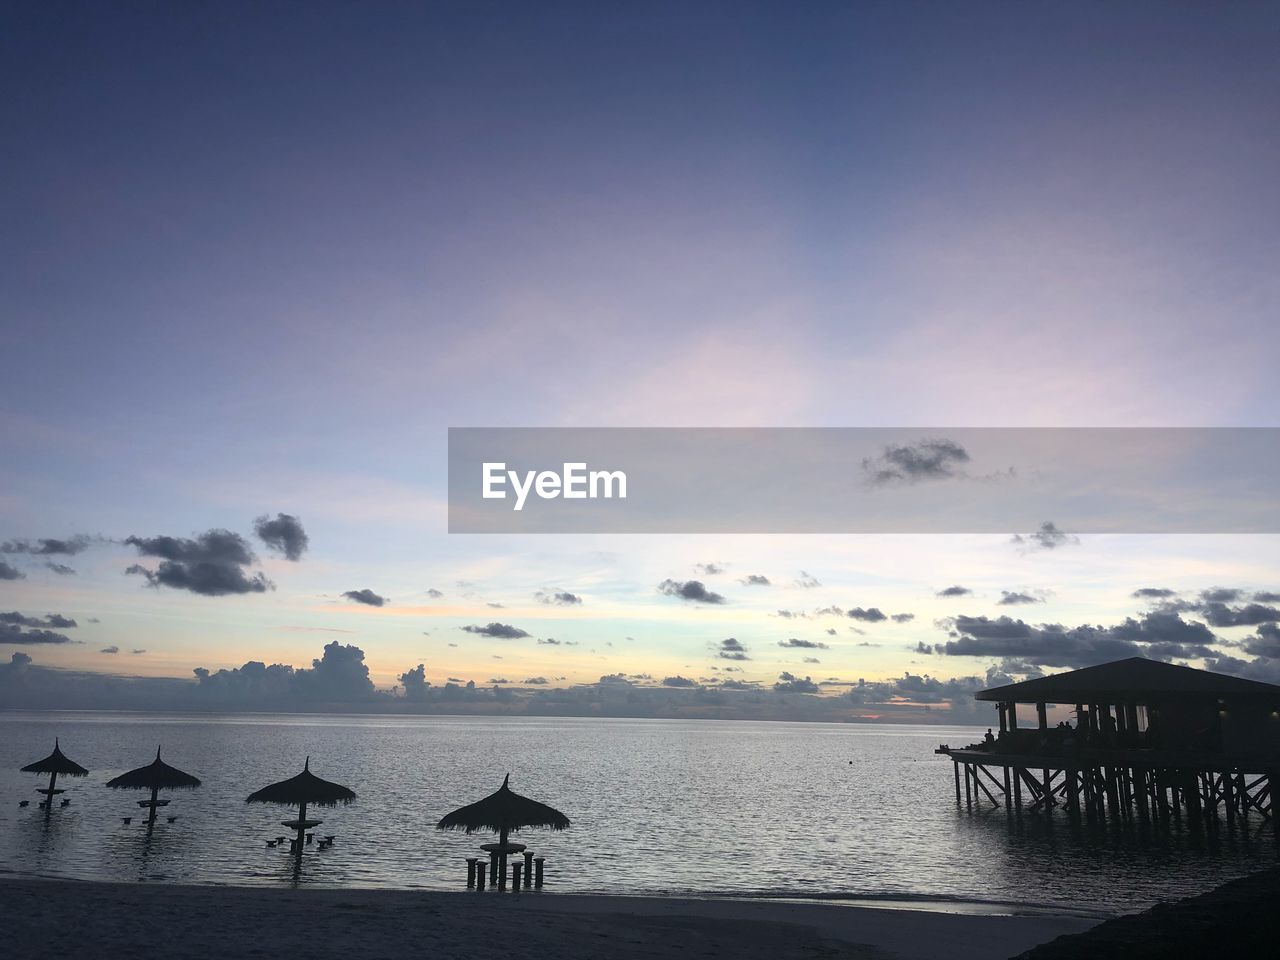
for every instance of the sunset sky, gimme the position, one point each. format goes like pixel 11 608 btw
pixel 258 258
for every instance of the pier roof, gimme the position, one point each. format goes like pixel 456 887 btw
pixel 1135 680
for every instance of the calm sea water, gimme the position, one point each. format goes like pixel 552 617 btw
pixel 658 806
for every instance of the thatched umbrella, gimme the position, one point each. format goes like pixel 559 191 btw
pixel 302 791
pixel 501 812
pixel 54 764
pixel 155 776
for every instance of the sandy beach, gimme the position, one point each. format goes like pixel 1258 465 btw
pixel 45 918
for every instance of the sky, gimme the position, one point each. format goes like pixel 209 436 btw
pixel 257 259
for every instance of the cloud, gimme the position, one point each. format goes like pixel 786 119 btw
pixel 284 534
pixel 111 649
pixel 732 649
pixel 1008 599
pixel 1265 643
pixel 137 651
pixel 678 682
pixel 1267 596
pixel 61 569
pixel 8 572
pixel 954 591
pixel 925 648
pixel 806 581
pixel 871 615
pixel 434 594
pixel 55 620
pixel 551 641
pixel 339 675
pixel 1157 635
pixel 935 459
pixel 535 681
pixel 1048 537
pixel 796 644
pixel 1249 615
pixel 755 580
pixel 1153 593
pixel 365 596
pixel 13 634
pixel 709 569
pixel 561 598
pixel 48 546
pixel 1221 595
pixel 692 590
pixel 415 683
pixel 211 565
pixel 500 631
pixel 902 617
pixel 787 683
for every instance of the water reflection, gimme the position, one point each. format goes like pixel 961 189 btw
pixel 657 807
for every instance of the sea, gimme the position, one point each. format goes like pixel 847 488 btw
pixel 844 812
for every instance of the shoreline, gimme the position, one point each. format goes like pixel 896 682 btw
pixel 47 917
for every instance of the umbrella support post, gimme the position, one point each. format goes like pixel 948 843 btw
pixel 538 862
pixel 480 873
pixel 493 869
pixel 48 803
pixel 297 845
pixel 151 817
pixel 528 869
pixel 502 871
pixel 517 871
pixel 471 872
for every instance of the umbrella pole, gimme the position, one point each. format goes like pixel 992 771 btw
pixel 502 859
pixel 155 792
pixel 48 800
pixel 302 818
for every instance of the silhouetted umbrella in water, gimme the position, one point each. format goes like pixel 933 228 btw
pixel 155 776
pixel 503 811
pixel 304 790
pixel 55 765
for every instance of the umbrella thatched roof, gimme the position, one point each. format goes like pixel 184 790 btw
pixel 157 775
pixel 56 763
pixel 504 810
pixel 306 788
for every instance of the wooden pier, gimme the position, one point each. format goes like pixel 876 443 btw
pixel 1151 741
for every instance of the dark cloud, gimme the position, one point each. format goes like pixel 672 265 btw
pixel 1009 599
pixel 922 647
pixel 55 620
pixel 552 641
pixel 1153 593
pixel 1157 635
pixel 535 681
pixel 339 675
pixel 709 569
pixel 788 683
pixel 434 594
pixel 560 598
pixel 1267 596
pixel 871 615
pixel 61 569
pixel 1221 595
pixel 500 631
pixel 797 644
pixel 755 580
pixel 137 651
pixel 692 590
pixel 13 634
pixel 678 682
pixel 284 534
pixel 415 683
pixel 365 596
pixel 831 631
pixel 732 649
pixel 111 649
pixel 1249 615
pixel 934 459
pixel 954 591
pixel 48 546
pixel 902 617
pixel 1048 537
pixel 1265 643
pixel 8 572
pixel 213 564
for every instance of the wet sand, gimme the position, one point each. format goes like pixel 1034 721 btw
pixel 48 918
